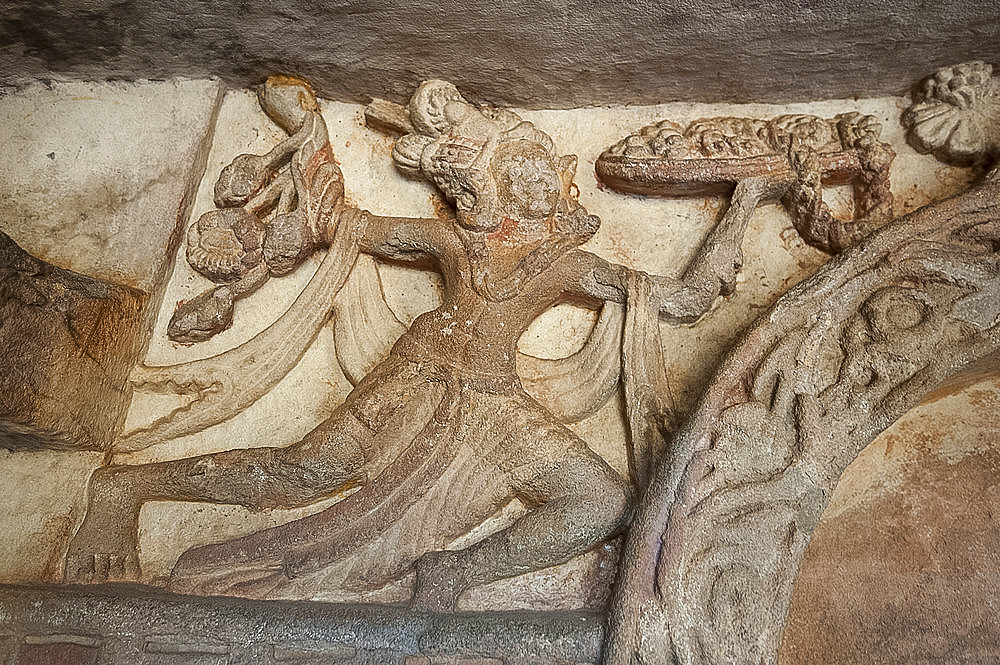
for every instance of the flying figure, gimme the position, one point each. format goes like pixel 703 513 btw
pixel 441 433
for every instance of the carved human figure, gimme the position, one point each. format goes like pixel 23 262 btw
pixel 447 402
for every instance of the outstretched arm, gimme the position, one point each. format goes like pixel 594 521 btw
pixel 409 239
pixel 714 268
pixel 711 273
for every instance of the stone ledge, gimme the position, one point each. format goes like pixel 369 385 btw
pixel 126 624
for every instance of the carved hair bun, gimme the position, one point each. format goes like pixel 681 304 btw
pixel 427 106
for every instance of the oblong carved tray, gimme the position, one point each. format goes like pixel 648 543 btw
pixel 710 155
pixel 701 177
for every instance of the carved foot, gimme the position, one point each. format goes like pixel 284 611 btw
pixel 84 568
pixel 104 548
pixel 440 580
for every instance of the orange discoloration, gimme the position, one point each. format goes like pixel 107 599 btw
pixel 322 156
pixel 442 209
pixel 505 232
pixel 909 571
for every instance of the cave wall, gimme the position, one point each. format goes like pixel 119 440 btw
pixel 553 54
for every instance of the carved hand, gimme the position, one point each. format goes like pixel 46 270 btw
pixel 205 315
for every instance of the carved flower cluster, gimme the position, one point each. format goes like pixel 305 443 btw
pixel 729 137
pixel 956 113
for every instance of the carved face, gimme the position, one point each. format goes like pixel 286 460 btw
pixel 526 178
pixel 519 183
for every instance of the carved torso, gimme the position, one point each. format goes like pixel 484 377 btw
pixel 471 333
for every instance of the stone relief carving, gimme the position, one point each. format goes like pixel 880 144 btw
pixel 711 155
pixel 447 421
pixel 955 113
pixel 440 433
pixel 716 544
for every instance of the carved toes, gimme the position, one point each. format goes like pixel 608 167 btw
pixel 84 568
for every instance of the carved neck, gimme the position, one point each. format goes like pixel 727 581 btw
pixel 490 255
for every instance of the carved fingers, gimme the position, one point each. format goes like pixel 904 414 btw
pixel 750 192
pixel 807 166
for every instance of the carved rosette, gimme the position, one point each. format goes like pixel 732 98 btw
pixel 956 113
pixel 717 542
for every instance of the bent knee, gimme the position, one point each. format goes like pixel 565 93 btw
pixel 608 500
pixel 596 497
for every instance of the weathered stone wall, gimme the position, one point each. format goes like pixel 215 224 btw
pixel 548 54
pixel 67 346
pixel 903 566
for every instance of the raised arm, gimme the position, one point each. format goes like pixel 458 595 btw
pixel 712 271
pixel 714 268
pixel 409 239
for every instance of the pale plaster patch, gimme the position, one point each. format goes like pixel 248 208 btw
pixel 44 497
pixel 93 174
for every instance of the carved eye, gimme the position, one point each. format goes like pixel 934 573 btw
pixel 892 310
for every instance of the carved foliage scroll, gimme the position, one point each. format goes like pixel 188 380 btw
pixel 717 542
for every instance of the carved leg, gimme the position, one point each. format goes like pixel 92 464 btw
pixel 324 462
pixel 581 501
